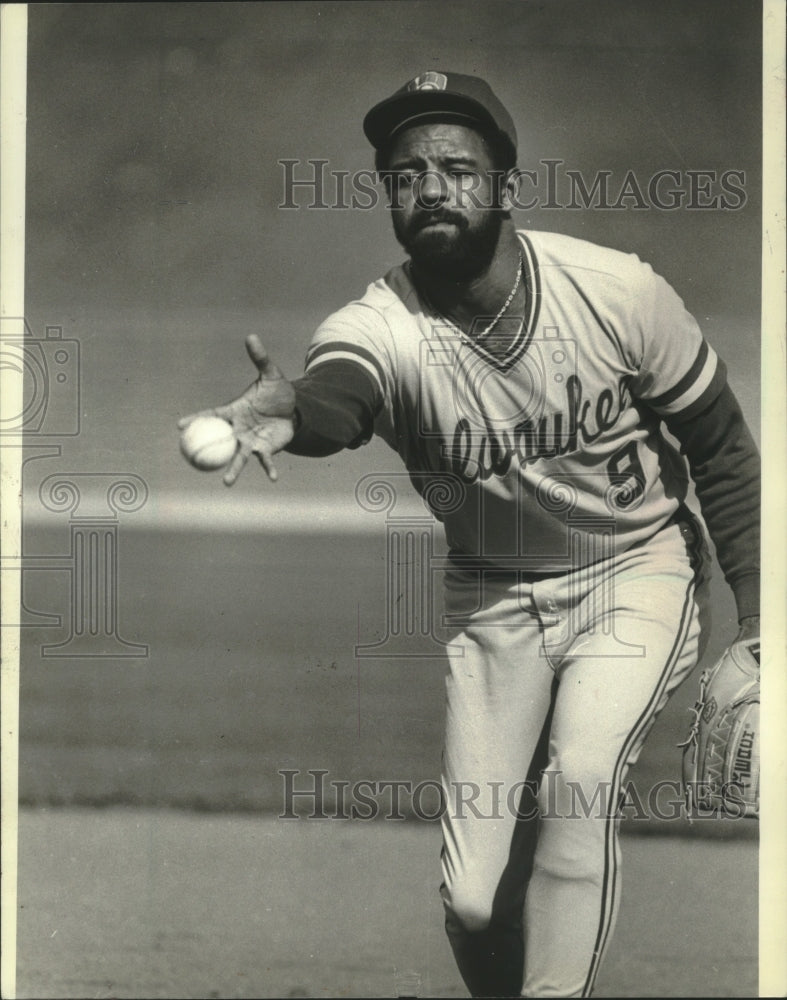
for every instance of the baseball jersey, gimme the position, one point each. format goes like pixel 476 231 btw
pixel 546 441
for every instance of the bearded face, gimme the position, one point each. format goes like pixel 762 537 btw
pixel 445 199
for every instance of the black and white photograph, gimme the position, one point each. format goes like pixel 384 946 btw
pixel 385 390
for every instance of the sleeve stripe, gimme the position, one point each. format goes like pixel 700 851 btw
pixel 686 382
pixel 695 391
pixel 347 352
pixel 707 396
pixel 691 386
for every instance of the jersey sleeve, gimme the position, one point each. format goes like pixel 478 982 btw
pixel 359 335
pixel 334 409
pixel 684 381
pixel 678 374
pixel 725 467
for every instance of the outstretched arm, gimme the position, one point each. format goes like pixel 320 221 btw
pixel 316 415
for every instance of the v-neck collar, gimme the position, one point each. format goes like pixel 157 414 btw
pixel 505 359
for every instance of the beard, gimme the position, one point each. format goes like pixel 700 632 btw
pixel 443 244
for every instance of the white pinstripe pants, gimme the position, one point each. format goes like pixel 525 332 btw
pixel 568 674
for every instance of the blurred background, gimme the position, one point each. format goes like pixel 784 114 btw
pixel 156 241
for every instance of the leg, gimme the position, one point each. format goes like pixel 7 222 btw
pixel 498 698
pixel 605 706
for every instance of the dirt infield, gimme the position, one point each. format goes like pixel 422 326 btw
pixel 146 903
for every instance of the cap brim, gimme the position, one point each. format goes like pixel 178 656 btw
pixel 389 115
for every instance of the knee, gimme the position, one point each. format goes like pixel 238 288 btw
pixel 467 909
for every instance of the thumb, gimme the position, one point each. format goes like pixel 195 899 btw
pixel 256 351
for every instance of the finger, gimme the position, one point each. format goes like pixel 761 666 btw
pixel 266 461
pixel 235 467
pixel 259 355
pixel 256 351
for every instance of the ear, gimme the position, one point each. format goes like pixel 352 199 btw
pixel 509 190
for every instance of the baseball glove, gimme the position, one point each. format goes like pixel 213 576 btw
pixel 721 757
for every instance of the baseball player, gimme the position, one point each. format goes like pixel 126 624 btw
pixel 533 374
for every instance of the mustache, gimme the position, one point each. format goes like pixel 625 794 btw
pixel 425 218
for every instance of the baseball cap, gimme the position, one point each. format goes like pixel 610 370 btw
pixel 433 92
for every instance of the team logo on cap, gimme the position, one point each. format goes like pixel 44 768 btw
pixel 429 81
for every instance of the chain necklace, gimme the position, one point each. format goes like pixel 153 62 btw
pixel 484 333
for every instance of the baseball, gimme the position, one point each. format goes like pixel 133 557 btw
pixel 208 443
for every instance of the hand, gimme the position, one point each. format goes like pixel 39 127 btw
pixel 749 628
pixel 262 417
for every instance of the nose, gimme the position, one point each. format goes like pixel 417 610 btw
pixel 432 190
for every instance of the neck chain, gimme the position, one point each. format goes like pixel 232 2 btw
pixel 485 333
